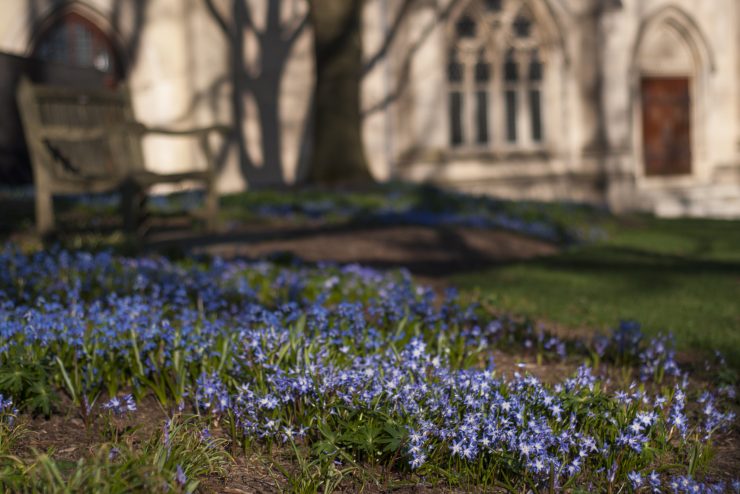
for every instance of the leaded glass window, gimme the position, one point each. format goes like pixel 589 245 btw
pixel 75 40
pixel 495 73
pixel 535 96
pixel 456 117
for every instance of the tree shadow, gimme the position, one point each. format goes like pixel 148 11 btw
pixel 274 41
pixel 642 270
pixel 262 82
pixel 405 65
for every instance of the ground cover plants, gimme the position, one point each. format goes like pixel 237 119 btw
pixel 339 376
pixel 385 204
pixel 412 204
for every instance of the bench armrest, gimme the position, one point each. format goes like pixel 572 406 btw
pixel 201 131
pixel 63 133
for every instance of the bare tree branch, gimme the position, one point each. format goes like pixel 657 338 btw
pixel 243 14
pixel 296 33
pixel 395 28
pixel 388 41
pixel 217 16
pixel 404 74
pixel 403 78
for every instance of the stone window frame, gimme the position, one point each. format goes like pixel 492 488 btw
pixel 493 40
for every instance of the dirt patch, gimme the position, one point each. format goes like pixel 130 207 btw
pixel 425 251
pixel 66 435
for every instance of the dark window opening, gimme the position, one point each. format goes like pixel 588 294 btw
pixel 535 107
pixel 456 114
pixel 482 71
pixel 454 69
pixel 511 71
pixel 535 68
pixel 494 5
pixel 466 27
pixel 522 26
pixel 510 97
pixel 482 116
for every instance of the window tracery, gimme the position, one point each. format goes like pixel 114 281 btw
pixel 495 74
pixel 75 40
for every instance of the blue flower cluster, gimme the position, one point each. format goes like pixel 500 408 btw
pixel 426 206
pixel 358 362
pixel 8 412
pixel 423 217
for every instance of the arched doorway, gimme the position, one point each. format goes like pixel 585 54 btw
pixel 670 64
pixel 74 39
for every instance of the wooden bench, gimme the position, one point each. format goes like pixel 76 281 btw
pixel 84 142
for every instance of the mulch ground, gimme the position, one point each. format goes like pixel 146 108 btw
pixel 431 254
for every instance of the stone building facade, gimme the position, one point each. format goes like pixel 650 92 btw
pixel 630 103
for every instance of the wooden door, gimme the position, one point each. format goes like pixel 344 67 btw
pixel 666 125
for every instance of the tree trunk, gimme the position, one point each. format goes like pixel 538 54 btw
pixel 338 153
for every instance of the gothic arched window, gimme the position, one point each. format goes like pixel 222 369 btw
pixel 535 95
pixel 511 93
pixel 482 80
pixel 495 74
pixel 75 40
pixel 455 79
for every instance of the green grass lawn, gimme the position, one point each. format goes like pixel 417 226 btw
pixel 671 275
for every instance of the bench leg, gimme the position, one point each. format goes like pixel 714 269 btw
pixel 44 211
pixel 211 206
pixel 131 207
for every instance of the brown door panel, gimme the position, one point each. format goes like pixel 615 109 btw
pixel 666 125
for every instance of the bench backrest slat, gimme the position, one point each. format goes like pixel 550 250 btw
pixel 77 156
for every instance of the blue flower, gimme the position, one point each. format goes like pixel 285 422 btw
pixel 180 476
pixel 635 479
pixel 121 406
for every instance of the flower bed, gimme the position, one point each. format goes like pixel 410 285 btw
pixel 411 204
pixel 349 370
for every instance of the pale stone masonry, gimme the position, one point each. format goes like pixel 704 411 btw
pixel 630 103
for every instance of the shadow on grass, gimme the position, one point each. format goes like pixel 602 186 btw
pixel 637 263
pixel 596 286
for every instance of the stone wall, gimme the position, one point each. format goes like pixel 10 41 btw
pixel 593 131
pixel 683 38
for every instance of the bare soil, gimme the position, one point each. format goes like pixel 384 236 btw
pixel 430 253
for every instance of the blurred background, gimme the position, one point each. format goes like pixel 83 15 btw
pixel 632 104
